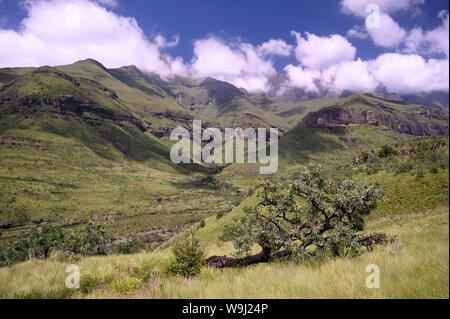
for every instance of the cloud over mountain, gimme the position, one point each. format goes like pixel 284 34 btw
pixel 63 31
pixel 317 53
pixel 56 32
pixel 239 63
pixel 275 47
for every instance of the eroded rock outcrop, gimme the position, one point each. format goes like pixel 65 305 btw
pixel 333 117
pixel 76 105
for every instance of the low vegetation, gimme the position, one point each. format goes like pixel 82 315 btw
pixel 41 242
pixel 311 216
pixel 189 256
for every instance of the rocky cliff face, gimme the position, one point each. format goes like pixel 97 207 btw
pixel 76 105
pixel 341 116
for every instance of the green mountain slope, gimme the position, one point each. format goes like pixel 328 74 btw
pixel 146 101
pixel 223 102
pixel 357 123
pixel 9 74
pixel 333 131
pixel 72 150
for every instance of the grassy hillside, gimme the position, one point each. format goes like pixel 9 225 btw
pixel 222 102
pixel 146 101
pixel 303 144
pixel 336 145
pixel 9 74
pixel 415 266
pixel 87 158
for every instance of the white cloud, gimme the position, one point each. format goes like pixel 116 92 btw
pixel 162 42
pixel 59 32
pixel 303 79
pixel 430 42
pixel 399 73
pixel 318 53
pixel 357 32
pixel 358 7
pixel 389 34
pixel 238 63
pixel 275 47
pixel 109 3
pixel 349 75
pixel 406 74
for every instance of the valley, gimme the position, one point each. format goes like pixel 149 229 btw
pixel 82 143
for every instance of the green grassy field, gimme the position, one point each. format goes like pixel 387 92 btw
pixel 415 213
pixel 416 266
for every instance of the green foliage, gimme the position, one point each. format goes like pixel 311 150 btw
pixel 189 257
pixel 88 283
pixel 220 215
pixel 39 242
pixel 418 157
pixel 92 239
pixel 127 247
pixel 386 151
pixel 311 215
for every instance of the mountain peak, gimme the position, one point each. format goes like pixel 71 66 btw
pixel 91 61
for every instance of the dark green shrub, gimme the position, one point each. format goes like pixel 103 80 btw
pixel 386 151
pixel 330 222
pixel 373 166
pixel 88 283
pixel 39 242
pixel 189 257
pixel 220 215
pixel 90 240
pixel 127 247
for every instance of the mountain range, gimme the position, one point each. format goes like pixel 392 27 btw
pixel 82 141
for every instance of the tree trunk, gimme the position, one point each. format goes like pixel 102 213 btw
pixel 228 262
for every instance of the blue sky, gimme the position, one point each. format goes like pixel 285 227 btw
pixel 235 25
pixel 257 21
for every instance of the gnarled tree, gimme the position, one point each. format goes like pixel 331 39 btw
pixel 308 216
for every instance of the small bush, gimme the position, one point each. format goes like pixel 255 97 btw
pixel 143 273
pixel 189 257
pixel 38 242
pixel 88 283
pixel 386 151
pixel 91 240
pixel 127 247
pixel 126 285
pixel 220 215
